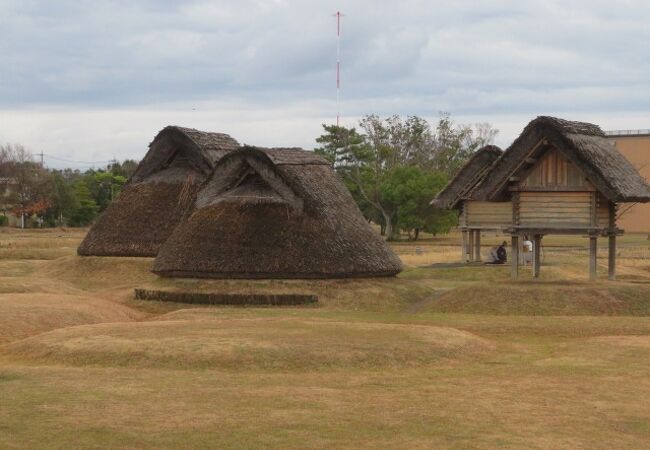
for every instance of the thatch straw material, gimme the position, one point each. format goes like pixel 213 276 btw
pixel 160 192
pixel 275 213
pixel 470 175
pixel 583 144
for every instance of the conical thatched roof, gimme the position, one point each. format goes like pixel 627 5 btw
pixel 275 213
pixel 583 144
pixel 468 177
pixel 159 193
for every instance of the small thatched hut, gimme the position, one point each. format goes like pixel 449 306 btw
pixel 275 213
pixel 159 193
pixel 474 215
pixel 562 177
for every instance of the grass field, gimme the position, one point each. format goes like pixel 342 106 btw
pixel 443 356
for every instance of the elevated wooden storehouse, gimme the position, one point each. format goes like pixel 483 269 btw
pixel 275 213
pixel 158 194
pixel 474 215
pixel 563 177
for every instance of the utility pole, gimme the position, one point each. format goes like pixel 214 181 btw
pixel 42 160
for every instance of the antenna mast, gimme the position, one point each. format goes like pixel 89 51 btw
pixel 338 67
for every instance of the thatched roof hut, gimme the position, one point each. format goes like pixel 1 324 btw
pixel 468 177
pixel 275 213
pixel 583 144
pixel 158 194
pixel 557 177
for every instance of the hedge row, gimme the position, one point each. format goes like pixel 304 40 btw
pixel 226 299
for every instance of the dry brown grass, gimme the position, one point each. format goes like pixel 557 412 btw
pixel 245 344
pixel 379 364
pixel 29 314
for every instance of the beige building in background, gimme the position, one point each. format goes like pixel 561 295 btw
pixel 635 146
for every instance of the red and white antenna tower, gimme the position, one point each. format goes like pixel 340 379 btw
pixel 338 67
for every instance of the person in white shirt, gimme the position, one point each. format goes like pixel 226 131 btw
pixel 528 251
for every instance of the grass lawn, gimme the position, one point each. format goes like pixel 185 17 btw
pixel 439 357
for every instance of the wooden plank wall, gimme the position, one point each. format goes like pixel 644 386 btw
pixel 553 170
pixel 488 214
pixel 602 211
pixel 555 209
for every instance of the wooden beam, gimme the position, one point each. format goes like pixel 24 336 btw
pixel 537 252
pixel 594 209
pixel 477 243
pixel 540 229
pixel 464 246
pixel 514 257
pixel 611 258
pixel 593 257
pixel 471 246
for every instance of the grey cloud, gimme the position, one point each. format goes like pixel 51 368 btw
pixel 481 58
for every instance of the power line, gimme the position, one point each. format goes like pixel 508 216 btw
pixel 77 162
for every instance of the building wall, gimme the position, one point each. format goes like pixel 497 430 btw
pixel 487 215
pixel 637 150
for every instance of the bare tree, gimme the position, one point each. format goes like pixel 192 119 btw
pixel 27 183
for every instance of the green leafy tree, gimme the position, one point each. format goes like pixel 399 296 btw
pixel 104 186
pixel 409 190
pixel 86 208
pixel 371 162
pixel 64 201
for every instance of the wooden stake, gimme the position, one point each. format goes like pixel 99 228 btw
pixel 537 260
pixel 611 257
pixel 477 243
pixel 514 258
pixel 464 246
pixel 593 257
pixel 471 246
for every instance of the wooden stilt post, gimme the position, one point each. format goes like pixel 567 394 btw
pixel 593 257
pixel 537 260
pixel 514 258
pixel 464 246
pixel 471 246
pixel 611 257
pixel 477 243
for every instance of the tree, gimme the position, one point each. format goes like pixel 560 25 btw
pixel 409 190
pixel 338 142
pixel 85 209
pixel 104 186
pixel 370 164
pixel 125 169
pixel 63 201
pixel 30 183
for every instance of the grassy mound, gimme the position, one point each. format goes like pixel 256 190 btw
pixel 546 299
pixel 93 272
pixel 362 294
pixel 631 351
pixel 23 315
pixel 271 344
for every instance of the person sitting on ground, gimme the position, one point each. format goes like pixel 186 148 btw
pixel 498 254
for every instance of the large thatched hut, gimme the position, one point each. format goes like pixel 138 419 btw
pixel 474 216
pixel 275 213
pixel 158 194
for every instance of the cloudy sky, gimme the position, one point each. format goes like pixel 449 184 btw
pixel 89 80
